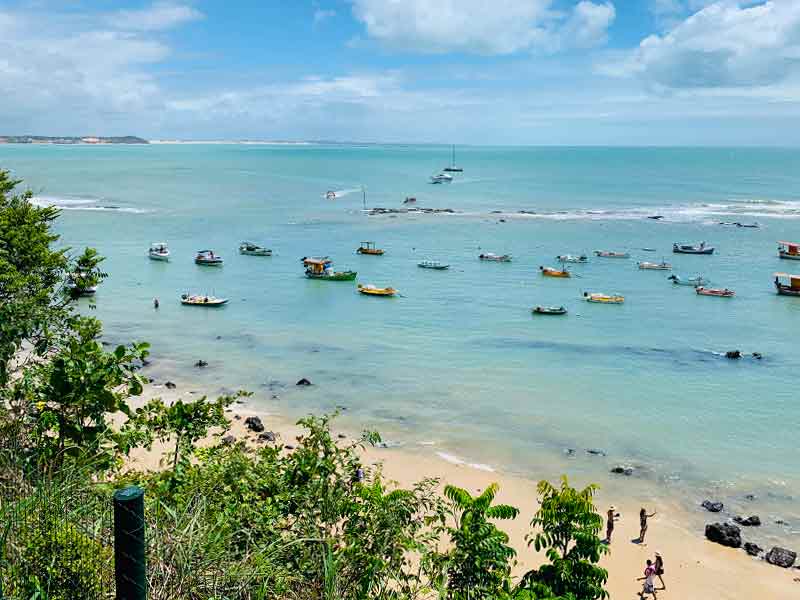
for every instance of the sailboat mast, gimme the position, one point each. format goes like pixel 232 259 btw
pixel 364 196
pixel 453 160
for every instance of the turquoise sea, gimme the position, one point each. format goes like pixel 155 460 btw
pixel 458 360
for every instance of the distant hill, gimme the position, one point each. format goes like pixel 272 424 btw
pixel 89 139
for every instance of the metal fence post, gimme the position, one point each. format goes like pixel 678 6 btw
pixel 129 544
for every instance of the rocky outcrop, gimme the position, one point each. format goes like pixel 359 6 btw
pixel 267 436
pixel 724 534
pixel 228 440
pixel 751 521
pixel 627 471
pixel 303 381
pixel 254 424
pixel 753 549
pixel 710 506
pixel 781 557
pixel 201 363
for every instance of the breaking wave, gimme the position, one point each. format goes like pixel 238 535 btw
pixel 83 203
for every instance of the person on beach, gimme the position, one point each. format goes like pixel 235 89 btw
pixel 610 517
pixel 643 516
pixel 649 579
pixel 659 567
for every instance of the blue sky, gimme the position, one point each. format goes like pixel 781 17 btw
pixel 652 72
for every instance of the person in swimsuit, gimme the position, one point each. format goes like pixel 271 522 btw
pixel 659 567
pixel 643 516
pixel 649 580
pixel 610 517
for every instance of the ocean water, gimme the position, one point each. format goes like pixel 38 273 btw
pixel 457 364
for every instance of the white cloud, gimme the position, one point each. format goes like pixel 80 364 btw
pixel 726 44
pixel 157 17
pixel 480 27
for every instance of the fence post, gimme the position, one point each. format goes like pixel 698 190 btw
pixel 129 544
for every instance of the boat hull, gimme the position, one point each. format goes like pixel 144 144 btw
pixel 602 254
pixel 208 263
pixel 688 250
pixel 256 252
pixel 785 290
pixel 382 292
pixel 701 291
pixel 159 257
pixel 546 310
pixel 212 304
pixel 433 267
pixel 785 255
pixel 342 276
pixel 370 252
pixel 554 273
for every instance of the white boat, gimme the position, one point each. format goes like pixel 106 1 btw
pixel 441 178
pixel 495 257
pixel 433 264
pixel 75 288
pixel 158 251
pixel 651 266
pixel 697 281
pixel 571 258
pixel 208 258
pixel 251 249
pixel 201 300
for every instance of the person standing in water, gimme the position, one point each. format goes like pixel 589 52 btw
pixel 610 517
pixel 659 567
pixel 643 516
pixel 155 303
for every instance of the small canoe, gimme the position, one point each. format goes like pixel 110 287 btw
pixel 651 266
pixel 611 254
pixel 198 300
pixel 570 258
pixel 251 249
pixel 495 257
pixel 432 264
pixel 550 272
pixel 718 292
pixel 604 298
pixel 371 290
pixel 692 281
pixel 549 310
pixel 689 249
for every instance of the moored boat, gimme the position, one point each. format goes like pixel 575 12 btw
pixel 789 250
pixel 611 254
pixel 202 300
pixel 79 285
pixel 718 292
pixel 433 264
pixel 549 310
pixel 495 257
pixel 322 268
pixel 441 178
pixel 371 290
pixel 453 168
pixel 690 249
pixel 551 272
pixel 791 288
pixel 158 251
pixel 252 249
pixel 369 248
pixel 330 195
pixel 604 298
pixel 691 281
pixel 410 200
pixel 208 258
pixel 662 266
pixel 571 258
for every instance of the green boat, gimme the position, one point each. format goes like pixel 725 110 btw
pixel 322 268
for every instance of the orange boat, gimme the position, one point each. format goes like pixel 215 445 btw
pixel 551 272
pixel 369 248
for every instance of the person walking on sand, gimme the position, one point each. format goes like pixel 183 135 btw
pixel 659 567
pixel 649 579
pixel 643 516
pixel 610 517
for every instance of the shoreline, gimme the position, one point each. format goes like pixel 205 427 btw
pixel 694 567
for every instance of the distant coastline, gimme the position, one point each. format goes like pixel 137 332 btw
pixel 243 142
pixel 70 140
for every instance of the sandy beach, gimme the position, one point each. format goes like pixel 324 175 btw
pixel 694 567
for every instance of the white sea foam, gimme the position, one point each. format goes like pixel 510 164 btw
pixel 455 460
pixel 83 203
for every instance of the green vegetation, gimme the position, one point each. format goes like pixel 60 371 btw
pixel 224 520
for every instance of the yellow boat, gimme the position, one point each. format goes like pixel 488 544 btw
pixel 551 272
pixel 369 248
pixel 371 290
pixel 604 298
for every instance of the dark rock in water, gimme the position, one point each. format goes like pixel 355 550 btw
pixel 733 354
pixel 200 364
pixel 780 522
pixel 724 534
pixel 757 355
pixel 595 452
pixel 712 506
pixel 303 381
pixel 254 424
pixel 289 447
pixel 750 497
pixel 170 386
pixel 752 549
pixel 781 557
pixel 267 436
pixel 219 337
pixel 752 521
pixel 228 440
pixel 570 451
pixel 627 471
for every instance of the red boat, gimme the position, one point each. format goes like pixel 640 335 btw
pixel 722 293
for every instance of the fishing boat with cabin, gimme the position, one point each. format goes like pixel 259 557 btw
pixel 551 272
pixel 701 248
pixel 207 258
pixel 696 281
pixel 598 298
pixel 369 248
pixel 789 250
pixel 322 268
pixel 651 266
pixel 611 254
pixel 791 287
pixel 202 300
pixel 253 249
pixel 571 258
pixel 158 251
pixel 371 290
pixel 549 310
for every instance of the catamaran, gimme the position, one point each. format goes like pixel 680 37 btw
pixel 441 178
pixel 453 168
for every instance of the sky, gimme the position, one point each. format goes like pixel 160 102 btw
pixel 497 72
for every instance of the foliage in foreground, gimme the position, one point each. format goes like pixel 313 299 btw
pixel 226 521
